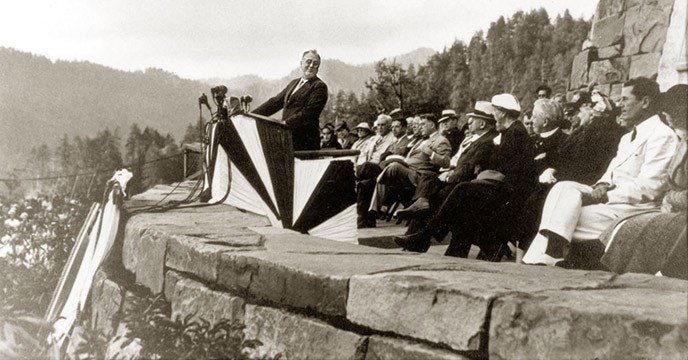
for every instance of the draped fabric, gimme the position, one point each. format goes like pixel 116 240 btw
pixel 254 169
pixel 91 248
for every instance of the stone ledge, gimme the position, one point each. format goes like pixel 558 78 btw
pixel 305 272
pixel 451 304
pixel 299 337
pixel 386 348
pixel 189 297
pixel 454 303
pixel 623 323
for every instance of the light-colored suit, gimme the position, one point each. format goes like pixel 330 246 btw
pixel 639 176
pixel 415 165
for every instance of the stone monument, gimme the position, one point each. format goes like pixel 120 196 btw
pixel 631 38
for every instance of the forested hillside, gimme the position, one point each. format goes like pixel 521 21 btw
pixel 515 55
pixel 41 100
pixel 47 108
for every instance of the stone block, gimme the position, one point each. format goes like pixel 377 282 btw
pixel 451 305
pixel 609 71
pixel 192 297
pixel 171 279
pixel 609 52
pixel 673 66
pixel 608 31
pixel 645 28
pixel 660 3
pixel 385 348
pixel 201 258
pixel 645 65
pixel 298 337
pixel 607 8
pixel 106 300
pixel 626 323
pixel 615 92
pixel 306 272
pixel 579 68
pixel 143 253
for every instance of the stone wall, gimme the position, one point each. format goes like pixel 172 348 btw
pixel 627 40
pixel 311 298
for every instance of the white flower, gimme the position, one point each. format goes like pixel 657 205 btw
pixel 13 223
pixel 24 216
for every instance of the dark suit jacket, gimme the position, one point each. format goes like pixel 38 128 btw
pixel 547 150
pixel 514 157
pixel 300 111
pixel 400 147
pixel 349 140
pixel 475 156
pixel 455 137
pixel 585 154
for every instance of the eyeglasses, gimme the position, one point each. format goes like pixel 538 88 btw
pixel 313 63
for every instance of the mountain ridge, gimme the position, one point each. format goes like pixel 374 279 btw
pixel 41 99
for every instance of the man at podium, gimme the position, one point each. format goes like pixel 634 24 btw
pixel 301 103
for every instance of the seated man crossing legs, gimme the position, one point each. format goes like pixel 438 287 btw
pixel 633 183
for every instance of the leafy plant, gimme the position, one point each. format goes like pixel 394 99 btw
pixel 161 337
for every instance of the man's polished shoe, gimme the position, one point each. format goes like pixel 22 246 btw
pixel 416 242
pixel 420 206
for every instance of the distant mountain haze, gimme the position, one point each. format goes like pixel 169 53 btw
pixel 41 100
pixel 337 74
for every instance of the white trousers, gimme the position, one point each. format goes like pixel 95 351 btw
pixel 564 215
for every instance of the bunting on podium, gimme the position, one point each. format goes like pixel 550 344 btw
pixel 251 165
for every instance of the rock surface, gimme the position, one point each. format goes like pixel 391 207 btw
pixel 449 304
pixel 609 71
pixel 629 323
pixel 299 337
pixel 386 348
pixel 306 297
pixel 190 297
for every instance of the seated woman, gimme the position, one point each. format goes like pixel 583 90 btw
pixel 656 242
pixel 582 157
pixel 327 138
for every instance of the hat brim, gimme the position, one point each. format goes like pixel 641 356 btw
pixel 480 116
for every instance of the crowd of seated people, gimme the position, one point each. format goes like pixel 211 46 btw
pixel 584 183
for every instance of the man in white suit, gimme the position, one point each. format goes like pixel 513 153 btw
pixel 634 182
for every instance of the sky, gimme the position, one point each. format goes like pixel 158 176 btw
pixel 199 39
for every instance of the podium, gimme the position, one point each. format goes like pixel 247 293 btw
pixel 251 165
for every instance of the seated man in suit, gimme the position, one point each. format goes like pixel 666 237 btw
pixel 368 172
pixel 301 103
pixel 476 211
pixel 425 158
pixel 449 129
pixel 471 158
pixel 634 181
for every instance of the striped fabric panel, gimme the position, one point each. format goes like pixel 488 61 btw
pixel 219 185
pixel 248 131
pixel 279 155
pixel 232 140
pixel 341 227
pixel 243 195
pixel 334 193
pixel 307 176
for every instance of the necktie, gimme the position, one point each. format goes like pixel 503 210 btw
pixel 298 86
pixel 633 134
